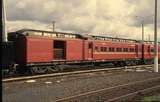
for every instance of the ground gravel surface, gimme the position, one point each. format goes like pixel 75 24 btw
pixel 50 89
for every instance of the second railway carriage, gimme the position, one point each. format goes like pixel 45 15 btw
pixel 42 51
pixel 148 52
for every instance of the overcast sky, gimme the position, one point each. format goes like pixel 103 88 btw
pixel 116 18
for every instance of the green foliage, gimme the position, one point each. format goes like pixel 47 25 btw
pixel 151 99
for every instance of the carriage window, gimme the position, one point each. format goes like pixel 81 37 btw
pixel 113 49
pixel 131 50
pixel 126 49
pixel 110 49
pixel 136 50
pixel 105 49
pixel 61 35
pixel 148 49
pixel 96 49
pixel 101 49
pixel 90 45
pixel 119 49
pixel 152 50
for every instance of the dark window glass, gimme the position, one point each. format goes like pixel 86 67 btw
pixel 148 49
pixel 152 50
pixel 105 49
pixel 117 49
pixel 113 49
pixel 120 49
pixel 126 49
pixel 110 49
pixel 96 49
pixel 101 49
pixel 130 50
pixel 90 45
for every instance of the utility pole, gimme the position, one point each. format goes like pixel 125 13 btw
pixel 4 26
pixel 142 33
pixel 53 25
pixel 155 40
pixel 149 38
pixel 142 27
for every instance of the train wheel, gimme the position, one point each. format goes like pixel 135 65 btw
pixel 134 63
pixel 53 69
pixel 116 64
pixel 128 63
pixel 122 64
pixel 38 70
pixel 22 70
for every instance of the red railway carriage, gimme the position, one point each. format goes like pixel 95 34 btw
pixel 115 50
pixel 148 52
pixel 159 51
pixel 43 48
pixel 33 47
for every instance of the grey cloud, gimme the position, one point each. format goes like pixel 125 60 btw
pixel 144 12
pixel 85 16
pixel 28 10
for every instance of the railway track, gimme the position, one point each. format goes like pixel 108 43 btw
pixel 74 72
pixel 124 92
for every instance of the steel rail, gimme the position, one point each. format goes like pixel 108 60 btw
pixel 57 74
pixel 70 73
pixel 104 89
pixel 134 93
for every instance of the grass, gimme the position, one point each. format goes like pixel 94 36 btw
pixel 155 98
